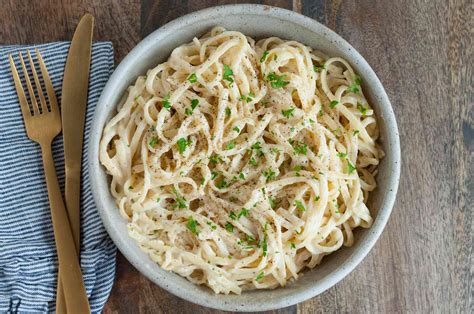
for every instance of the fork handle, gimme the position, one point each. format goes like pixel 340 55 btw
pixel 71 276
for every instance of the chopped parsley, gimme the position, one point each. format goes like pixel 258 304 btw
pixel 258 148
pixel 194 104
pixel 277 81
pixel 265 245
pixel 222 184
pixel 236 129
pixel 355 88
pixel 229 227
pixel 228 73
pixel 292 245
pixel 243 212
pixel 319 68
pixel 153 141
pixel 260 276
pixel 342 155
pixel 233 216
pixel 272 202
pixel 182 144
pixel 213 175
pixel 213 227
pixel 241 176
pixel 215 159
pixel 300 149
pixel 248 98
pixel 350 167
pixel 362 109
pixel 180 200
pixel 253 162
pixel 264 56
pixel 166 102
pixel 192 225
pixel 227 112
pixel 269 174
pixel 288 113
pixel 299 205
pixel 355 132
pixel 158 200
pixel 192 78
pixel 230 145
pixel 297 169
pixel 316 198
pixel 333 104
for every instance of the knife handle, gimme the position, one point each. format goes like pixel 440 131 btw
pixel 72 198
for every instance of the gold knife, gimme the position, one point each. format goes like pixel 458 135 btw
pixel 73 109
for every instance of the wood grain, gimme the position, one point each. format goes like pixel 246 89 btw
pixel 422 52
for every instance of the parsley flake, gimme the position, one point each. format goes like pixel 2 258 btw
pixel 288 113
pixel 299 205
pixel 319 68
pixel 153 141
pixel 264 56
pixel 260 276
pixel 243 212
pixel 333 104
pixel 166 102
pixel 269 174
pixel 277 81
pixel 362 109
pixel 228 73
pixel 300 149
pixel 192 78
pixel 182 144
pixel 350 167
pixel 229 227
pixel 215 159
pixel 192 225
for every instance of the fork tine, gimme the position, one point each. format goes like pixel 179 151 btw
pixel 30 87
pixel 25 109
pixel 44 106
pixel 53 103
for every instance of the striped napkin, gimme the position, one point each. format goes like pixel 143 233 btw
pixel 28 261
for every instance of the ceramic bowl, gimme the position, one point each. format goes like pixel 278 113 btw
pixel 257 21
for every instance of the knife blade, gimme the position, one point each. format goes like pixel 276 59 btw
pixel 73 109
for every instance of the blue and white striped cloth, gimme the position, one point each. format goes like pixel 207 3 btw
pixel 28 261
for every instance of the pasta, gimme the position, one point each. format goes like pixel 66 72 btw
pixel 238 163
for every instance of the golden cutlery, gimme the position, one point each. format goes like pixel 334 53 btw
pixel 42 125
pixel 73 109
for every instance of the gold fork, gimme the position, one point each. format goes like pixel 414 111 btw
pixel 42 125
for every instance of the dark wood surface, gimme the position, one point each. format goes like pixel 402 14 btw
pixel 422 52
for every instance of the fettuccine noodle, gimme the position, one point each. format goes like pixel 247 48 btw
pixel 239 163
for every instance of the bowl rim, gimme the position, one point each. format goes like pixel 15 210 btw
pixel 380 220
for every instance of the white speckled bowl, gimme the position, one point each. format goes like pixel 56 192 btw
pixel 256 21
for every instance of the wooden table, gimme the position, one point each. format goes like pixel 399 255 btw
pixel 422 52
